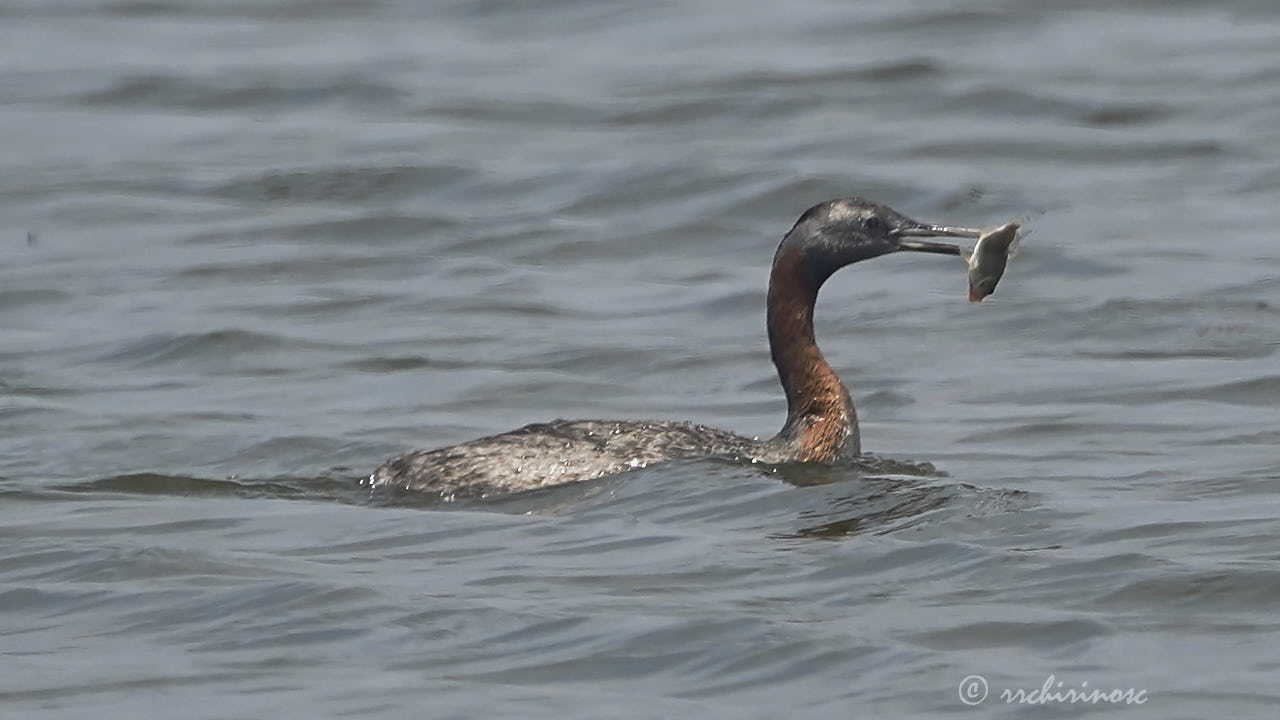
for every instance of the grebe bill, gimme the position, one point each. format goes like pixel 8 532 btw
pixel 821 424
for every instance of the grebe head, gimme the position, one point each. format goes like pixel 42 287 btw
pixel 838 232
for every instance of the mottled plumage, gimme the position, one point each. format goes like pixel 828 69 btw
pixel 821 424
pixel 562 451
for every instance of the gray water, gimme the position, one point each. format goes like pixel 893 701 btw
pixel 249 250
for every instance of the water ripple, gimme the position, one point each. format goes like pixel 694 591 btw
pixel 249 250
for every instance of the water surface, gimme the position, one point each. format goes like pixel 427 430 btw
pixel 250 250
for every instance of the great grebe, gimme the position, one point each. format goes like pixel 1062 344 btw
pixel 821 424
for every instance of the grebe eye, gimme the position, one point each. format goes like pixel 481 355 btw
pixel 874 224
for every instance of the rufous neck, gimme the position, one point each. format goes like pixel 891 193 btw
pixel 821 421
